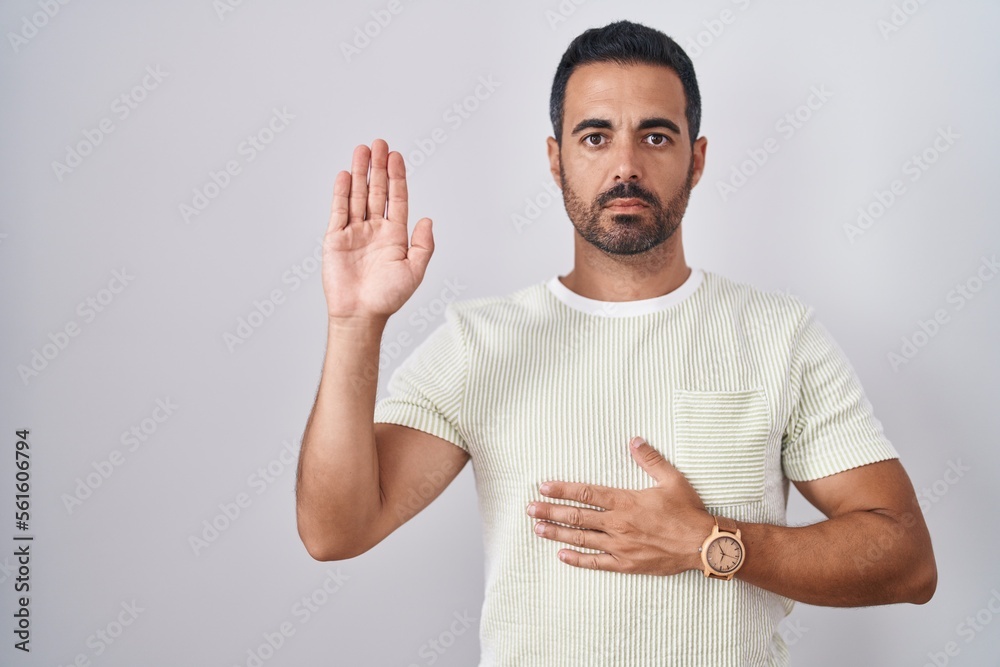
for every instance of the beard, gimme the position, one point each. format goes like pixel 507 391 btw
pixel 627 233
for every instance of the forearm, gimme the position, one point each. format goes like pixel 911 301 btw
pixel 859 558
pixel 337 487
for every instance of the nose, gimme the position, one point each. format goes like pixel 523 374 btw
pixel 627 162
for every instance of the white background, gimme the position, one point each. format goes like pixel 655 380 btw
pixel 64 233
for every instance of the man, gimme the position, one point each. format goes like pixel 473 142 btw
pixel 665 408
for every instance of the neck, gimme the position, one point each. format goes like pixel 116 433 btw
pixel 598 275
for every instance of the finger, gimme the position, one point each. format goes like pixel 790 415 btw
pixel 421 247
pixel 650 460
pixel 398 194
pixel 339 206
pixel 359 184
pixel 591 494
pixel 579 517
pixel 582 539
pixel 591 561
pixel 378 181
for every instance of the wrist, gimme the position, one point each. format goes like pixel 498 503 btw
pixel 356 322
pixel 723 552
pixel 705 525
pixel 352 330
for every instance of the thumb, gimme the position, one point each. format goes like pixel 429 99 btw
pixel 421 247
pixel 651 460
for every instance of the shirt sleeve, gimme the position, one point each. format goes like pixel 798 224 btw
pixel 425 391
pixel 832 426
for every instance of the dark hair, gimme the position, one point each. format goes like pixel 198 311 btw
pixel 626 43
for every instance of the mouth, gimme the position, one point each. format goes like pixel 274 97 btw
pixel 627 205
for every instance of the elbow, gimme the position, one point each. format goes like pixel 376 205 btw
pixel 318 545
pixel 323 547
pixel 326 540
pixel 321 551
pixel 326 553
pixel 924 580
pixel 916 577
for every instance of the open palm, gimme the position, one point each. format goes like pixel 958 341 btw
pixel 368 269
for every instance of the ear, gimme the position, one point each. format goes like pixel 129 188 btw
pixel 698 155
pixel 553 149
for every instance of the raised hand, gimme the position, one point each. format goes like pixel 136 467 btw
pixel 369 271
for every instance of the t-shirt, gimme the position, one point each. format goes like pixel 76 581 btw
pixel 740 388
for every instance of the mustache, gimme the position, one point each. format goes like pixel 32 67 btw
pixel 627 191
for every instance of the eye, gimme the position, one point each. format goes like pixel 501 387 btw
pixel 658 139
pixel 587 139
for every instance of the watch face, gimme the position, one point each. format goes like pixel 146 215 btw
pixel 724 554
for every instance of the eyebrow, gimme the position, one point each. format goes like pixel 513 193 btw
pixel 644 124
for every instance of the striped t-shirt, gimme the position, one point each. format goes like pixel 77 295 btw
pixel 741 389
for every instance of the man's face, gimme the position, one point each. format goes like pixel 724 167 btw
pixel 626 164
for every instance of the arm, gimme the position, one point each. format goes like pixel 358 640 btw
pixel 873 549
pixel 355 477
pixel 355 487
pixel 337 489
pixel 357 481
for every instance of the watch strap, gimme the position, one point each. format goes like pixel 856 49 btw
pixel 726 524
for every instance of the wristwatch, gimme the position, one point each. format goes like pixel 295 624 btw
pixel 722 553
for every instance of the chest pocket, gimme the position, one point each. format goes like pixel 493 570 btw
pixel 720 443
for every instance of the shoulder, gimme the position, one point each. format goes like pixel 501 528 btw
pixel 775 313
pixel 521 305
